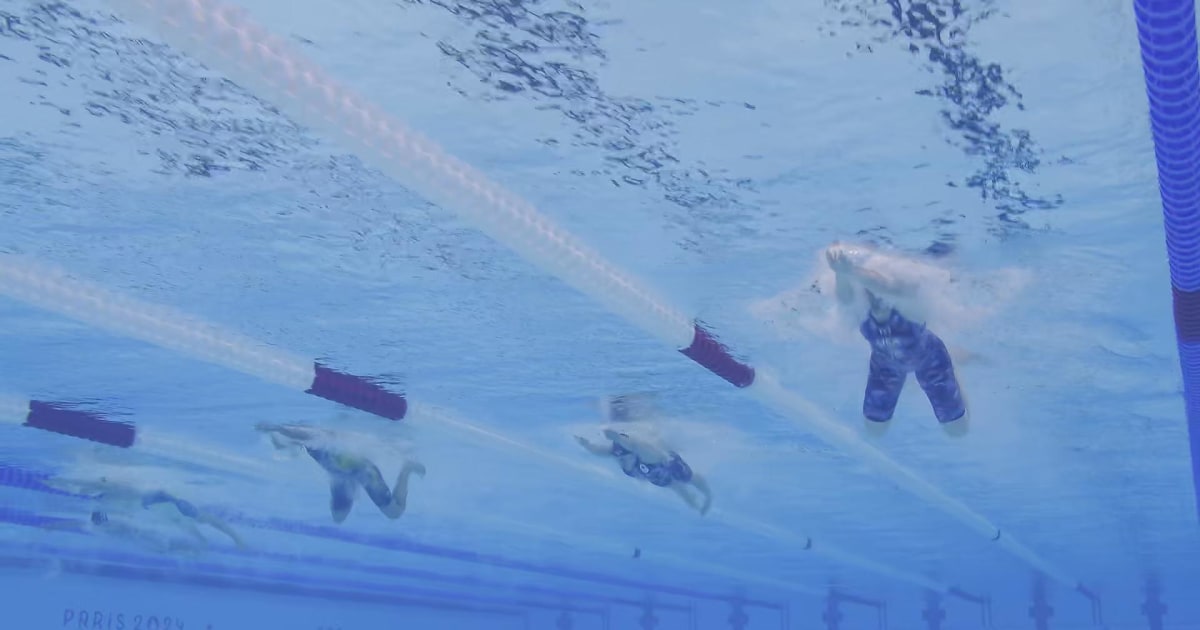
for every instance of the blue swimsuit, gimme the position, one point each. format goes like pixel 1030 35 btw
pixel 900 346
pixel 661 474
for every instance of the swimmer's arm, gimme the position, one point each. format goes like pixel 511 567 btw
pixel 883 284
pixel 594 449
pixel 291 431
pixel 871 280
pixel 843 288
pixel 280 445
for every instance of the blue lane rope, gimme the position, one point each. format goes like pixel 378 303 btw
pixel 1167 34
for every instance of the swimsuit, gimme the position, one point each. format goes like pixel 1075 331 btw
pixel 900 346
pixel 660 474
pixel 347 471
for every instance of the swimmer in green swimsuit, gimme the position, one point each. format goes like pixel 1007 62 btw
pixel 347 471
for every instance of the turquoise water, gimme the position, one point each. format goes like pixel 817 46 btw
pixel 711 149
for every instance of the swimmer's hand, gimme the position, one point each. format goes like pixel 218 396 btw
pixel 843 270
pixel 837 259
pixel 594 449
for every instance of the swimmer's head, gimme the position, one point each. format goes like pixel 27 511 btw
pixel 99 518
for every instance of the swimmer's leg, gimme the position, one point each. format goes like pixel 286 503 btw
pixel 884 384
pixel 400 490
pixel 681 489
pixel 392 502
pixel 701 484
pixel 958 428
pixel 936 376
pixel 876 429
pixel 341 496
pixel 372 481
pixel 678 475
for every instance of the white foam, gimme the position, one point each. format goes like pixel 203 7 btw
pixel 950 301
pixel 13 410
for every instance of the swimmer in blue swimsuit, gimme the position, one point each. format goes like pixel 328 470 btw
pixel 898 345
pixel 347 471
pixel 118 498
pixel 642 460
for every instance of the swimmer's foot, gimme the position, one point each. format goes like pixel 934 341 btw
pixel 412 468
pixel 958 428
pixel 876 429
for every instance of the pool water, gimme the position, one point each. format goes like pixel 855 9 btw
pixel 155 183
